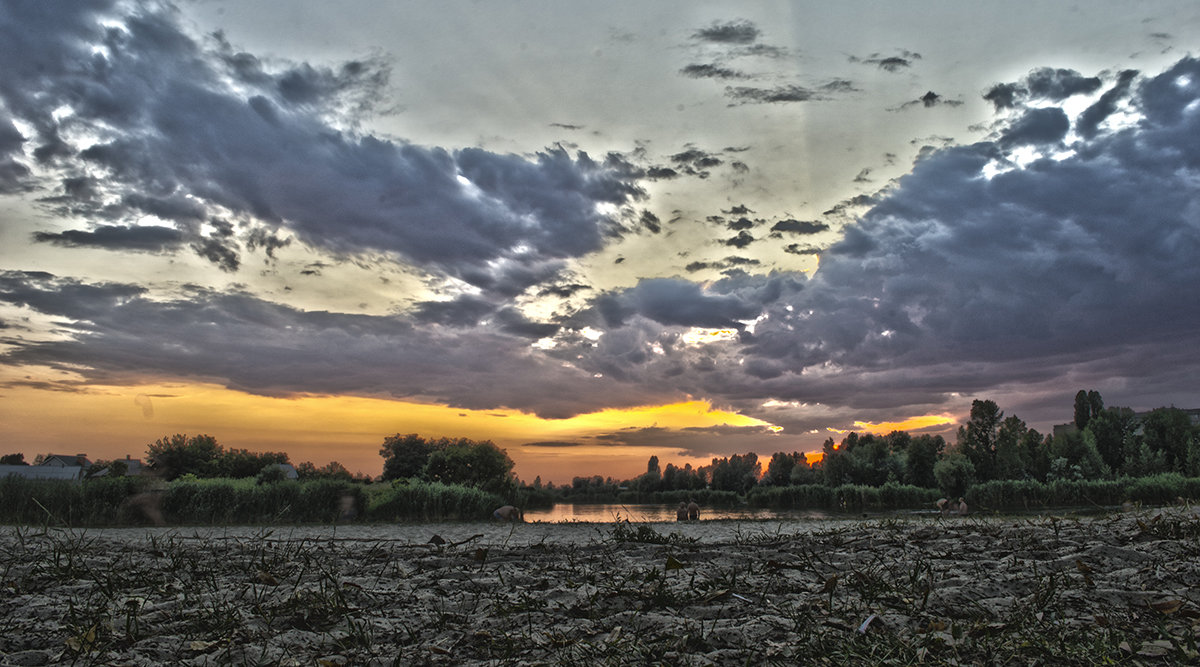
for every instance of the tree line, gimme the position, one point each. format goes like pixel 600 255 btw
pixel 1102 443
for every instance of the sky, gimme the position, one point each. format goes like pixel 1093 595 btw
pixel 589 232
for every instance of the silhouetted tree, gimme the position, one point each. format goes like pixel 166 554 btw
pixel 977 440
pixel 405 456
pixel 921 456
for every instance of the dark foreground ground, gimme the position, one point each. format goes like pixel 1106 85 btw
pixel 1123 589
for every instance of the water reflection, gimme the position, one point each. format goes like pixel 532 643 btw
pixel 607 513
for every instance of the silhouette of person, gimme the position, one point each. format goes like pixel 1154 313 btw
pixel 693 511
pixel 508 513
pixel 681 514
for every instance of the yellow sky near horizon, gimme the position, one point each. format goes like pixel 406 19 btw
pixel 107 422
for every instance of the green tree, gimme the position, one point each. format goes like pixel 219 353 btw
pixel 1035 451
pixel 977 440
pixel 738 473
pixel 179 454
pixel 921 457
pixel 241 463
pixel 405 456
pixel 1110 430
pixel 464 461
pixel 1167 430
pixel 1078 450
pixel 781 465
pixel 1010 464
pixel 954 473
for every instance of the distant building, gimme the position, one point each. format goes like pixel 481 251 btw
pixel 66 460
pixel 289 470
pixel 70 473
pixel 133 467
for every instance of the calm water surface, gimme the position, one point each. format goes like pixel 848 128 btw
pixel 607 513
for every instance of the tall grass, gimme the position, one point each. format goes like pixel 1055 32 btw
pixel 224 501
pixel 62 502
pixel 410 500
pixel 1027 494
pixel 120 501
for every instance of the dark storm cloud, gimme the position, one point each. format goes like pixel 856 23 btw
pixel 731 32
pixel 960 280
pixel 1038 127
pixel 271 349
pixel 13 171
pixel 117 237
pixel 1104 107
pixel 172 129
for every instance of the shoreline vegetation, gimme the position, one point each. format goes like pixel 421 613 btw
pixel 132 501
pixel 1116 588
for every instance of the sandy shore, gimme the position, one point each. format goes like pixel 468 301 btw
pixel 1124 587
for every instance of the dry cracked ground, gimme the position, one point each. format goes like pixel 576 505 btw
pixel 1122 588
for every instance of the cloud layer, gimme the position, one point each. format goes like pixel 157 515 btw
pixel 1056 253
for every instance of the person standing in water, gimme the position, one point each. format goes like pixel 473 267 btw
pixel 508 513
pixel 693 511
pixel 681 514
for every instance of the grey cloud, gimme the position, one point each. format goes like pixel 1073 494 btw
pixel 742 240
pixel 778 94
pixel 1044 83
pixel 929 100
pixel 800 226
pixel 223 254
pixel 117 237
pixel 174 128
pixel 1004 95
pixel 661 173
pixel 712 71
pixel 1104 107
pixel 788 93
pixel 650 222
pixel 730 32
pixel 1038 127
pixel 889 63
pixel 271 349
pixel 954 283
pixel 1057 85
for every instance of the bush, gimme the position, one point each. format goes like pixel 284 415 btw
pixel 411 500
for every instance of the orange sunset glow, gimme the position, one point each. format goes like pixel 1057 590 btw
pixel 107 422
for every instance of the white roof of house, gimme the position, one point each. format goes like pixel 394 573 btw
pixel 43 472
